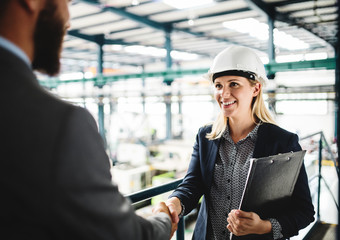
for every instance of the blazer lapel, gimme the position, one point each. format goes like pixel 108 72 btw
pixel 211 156
pixel 260 145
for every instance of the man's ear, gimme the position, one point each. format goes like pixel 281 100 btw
pixel 32 5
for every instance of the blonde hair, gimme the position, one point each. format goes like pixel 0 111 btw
pixel 259 114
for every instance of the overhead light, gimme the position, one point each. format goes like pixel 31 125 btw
pixel 315 56
pixel 70 76
pixel 192 16
pixel 259 30
pixel 191 22
pixel 135 2
pixel 184 4
pixel 289 58
pixel 251 26
pixel 159 52
pixel 183 55
pixel 143 50
pixel 288 41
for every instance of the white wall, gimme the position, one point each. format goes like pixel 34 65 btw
pixel 305 125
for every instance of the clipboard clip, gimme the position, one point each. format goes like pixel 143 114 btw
pixel 288 158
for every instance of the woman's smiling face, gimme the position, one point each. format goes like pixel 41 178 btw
pixel 234 95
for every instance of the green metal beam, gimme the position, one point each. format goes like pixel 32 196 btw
pixel 208 15
pixel 166 27
pixel 302 65
pixel 97 37
pixel 262 8
pixel 101 80
pixel 121 12
pixel 172 74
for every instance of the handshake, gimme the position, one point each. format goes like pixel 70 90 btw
pixel 173 208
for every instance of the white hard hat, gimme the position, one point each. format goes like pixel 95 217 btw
pixel 238 59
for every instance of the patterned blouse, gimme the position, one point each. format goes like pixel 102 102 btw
pixel 230 174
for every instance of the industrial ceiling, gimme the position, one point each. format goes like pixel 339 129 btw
pixel 138 34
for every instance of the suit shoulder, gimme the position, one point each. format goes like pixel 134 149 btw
pixel 205 129
pixel 58 110
pixel 273 131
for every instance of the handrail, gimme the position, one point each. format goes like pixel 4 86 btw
pixel 322 142
pixel 329 189
pixel 316 176
pixel 322 137
pixel 153 191
pixel 310 135
pixel 148 193
pixel 330 152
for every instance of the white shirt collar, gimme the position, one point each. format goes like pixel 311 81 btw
pixel 15 50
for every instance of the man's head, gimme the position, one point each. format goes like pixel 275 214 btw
pixel 49 33
pixel 38 28
pixel 3 6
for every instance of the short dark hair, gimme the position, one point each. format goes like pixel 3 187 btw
pixel 3 6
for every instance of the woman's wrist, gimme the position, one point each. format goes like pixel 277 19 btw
pixel 266 227
pixel 176 203
pixel 181 213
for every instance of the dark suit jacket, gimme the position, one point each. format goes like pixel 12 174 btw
pixel 293 215
pixel 54 172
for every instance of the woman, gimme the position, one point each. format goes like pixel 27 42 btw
pixel 221 154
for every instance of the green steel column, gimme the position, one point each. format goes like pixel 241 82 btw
pixel 337 89
pixel 337 96
pixel 180 113
pixel 168 48
pixel 319 179
pixel 167 97
pixel 271 46
pixel 271 57
pixel 180 233
pixel 101 126
pixel 101 118
pixel 143 90
pixel 167 101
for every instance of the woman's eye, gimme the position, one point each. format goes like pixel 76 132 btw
pixel 218 86
pixel 233 84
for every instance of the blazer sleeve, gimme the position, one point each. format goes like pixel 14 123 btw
pixel 300 212
pixel 85 204
pixel 192 188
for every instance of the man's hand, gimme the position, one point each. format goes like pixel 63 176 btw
pixel 161 207
pixel 244 223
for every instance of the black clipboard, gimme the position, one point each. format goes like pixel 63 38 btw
pixel 270 179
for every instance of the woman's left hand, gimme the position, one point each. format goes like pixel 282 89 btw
pixel 243 223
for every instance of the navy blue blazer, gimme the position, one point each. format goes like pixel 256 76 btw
pixel 293 215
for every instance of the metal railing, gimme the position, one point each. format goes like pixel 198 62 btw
pixel 147 194
pixel 322 143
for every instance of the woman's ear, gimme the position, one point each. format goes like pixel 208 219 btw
pixel 257 89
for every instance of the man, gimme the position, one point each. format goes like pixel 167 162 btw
pixel 54 175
